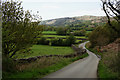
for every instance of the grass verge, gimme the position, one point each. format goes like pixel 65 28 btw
pixel 41 67
pixel 105 72
pixel 106 64
pixel 92 49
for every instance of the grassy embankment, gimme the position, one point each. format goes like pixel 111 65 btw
pixel 105 67
pixel 43 66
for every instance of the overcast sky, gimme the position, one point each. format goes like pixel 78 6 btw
pixel 51 9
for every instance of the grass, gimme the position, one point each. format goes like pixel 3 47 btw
pixel 106 66
pixel 58 36
pixel 47 50
pixel 104 71
pixel 77 41
pixel 88 31
pixel 38 50
pixel 54 32
pixel 49 32
pixel 42 67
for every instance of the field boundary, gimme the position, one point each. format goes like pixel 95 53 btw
pixel 78 52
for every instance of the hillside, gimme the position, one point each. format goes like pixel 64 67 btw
pixel 74 20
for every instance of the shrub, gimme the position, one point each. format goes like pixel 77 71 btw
pixel 104 35
pixel 70 40
pixel 87 34
pixel 8 66
pixel 60 42
pixel 43 41
pixel 118 63
pixel 61 31
pixel 99 37
pixel 54 42
pixel 80 33
pixel 57 42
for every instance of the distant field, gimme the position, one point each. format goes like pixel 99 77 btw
pixel 54 32
pixel 88 31
pixel 78 41
pixel 46 50
pixel 58 36
pixel 49 32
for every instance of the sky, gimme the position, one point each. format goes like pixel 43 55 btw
pixel 51 9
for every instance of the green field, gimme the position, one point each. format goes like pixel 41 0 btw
pixel 54 32
pixel 58 36
pixel 88 31
pixel 47 50
pixel 38 50
pixel 49 32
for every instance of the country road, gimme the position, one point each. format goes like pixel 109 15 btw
pixel 83 68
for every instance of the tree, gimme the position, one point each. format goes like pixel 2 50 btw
pixel 61 31
pixel 18 29
pixel 99 37
pixel 80 33
pixel 70 40
pixel 112 9
pixel 43 41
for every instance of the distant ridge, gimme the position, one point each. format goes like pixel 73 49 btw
pixel 71 20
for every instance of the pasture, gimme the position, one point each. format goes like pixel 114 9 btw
pixel 40 50
pixel 49 32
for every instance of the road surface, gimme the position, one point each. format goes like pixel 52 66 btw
pixel 83 68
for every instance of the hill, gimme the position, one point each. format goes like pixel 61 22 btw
pixel 74 20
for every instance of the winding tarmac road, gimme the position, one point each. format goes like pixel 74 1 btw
pixel 83 68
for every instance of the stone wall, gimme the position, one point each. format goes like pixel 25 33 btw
pixel 78 52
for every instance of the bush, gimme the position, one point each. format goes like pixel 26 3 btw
pixel 60 42
pixel 87 34
pixel 54 42
pixel 104 35
pixel 99 37
pixel 8 66
pixel 57 42
pixel 43 41
pixel 118 63
pixel 70 40
pixel 80 33
pixel 61 31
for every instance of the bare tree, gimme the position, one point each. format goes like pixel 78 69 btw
pixel 112 9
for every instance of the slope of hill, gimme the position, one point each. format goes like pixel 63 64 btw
pixel 74 20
